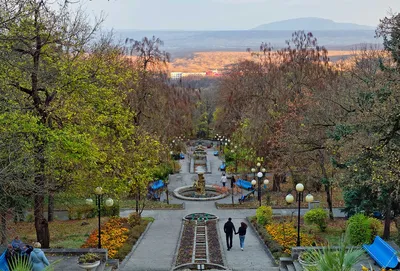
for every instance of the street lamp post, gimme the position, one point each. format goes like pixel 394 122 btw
pixel 299 198
pixel 99 198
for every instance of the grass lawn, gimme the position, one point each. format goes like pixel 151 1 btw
pixel 62 202
pixel 63 234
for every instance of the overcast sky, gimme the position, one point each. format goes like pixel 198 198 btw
pixel 232 14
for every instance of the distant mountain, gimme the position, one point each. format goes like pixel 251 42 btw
pixel 311 24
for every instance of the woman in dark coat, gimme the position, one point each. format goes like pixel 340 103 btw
pixel 242 234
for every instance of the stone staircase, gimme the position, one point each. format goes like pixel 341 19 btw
pixel 288 264
pixel 200 249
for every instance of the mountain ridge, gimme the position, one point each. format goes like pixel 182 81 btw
pixel 311 24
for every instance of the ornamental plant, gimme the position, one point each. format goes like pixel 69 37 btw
pixel 285 234
pixel 89 258
pixel 114 234
pixel 264 215
pixel 359 230
pixel 318 217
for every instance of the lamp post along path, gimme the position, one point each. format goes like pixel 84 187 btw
pixel 299 198
pixel 99 198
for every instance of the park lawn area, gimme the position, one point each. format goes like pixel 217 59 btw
pixel 63 234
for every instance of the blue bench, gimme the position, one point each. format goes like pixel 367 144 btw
pixel 246 197
pixel 383 254
pixel 222 167
pixel 244 184
pixel 157 185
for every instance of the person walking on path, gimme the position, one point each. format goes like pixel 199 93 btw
pixel 242 234
pixel 37 258
pixel 229 229
pixel 223 179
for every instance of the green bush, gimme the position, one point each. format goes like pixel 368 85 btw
pixel 359 230
pixel 110 211
pixel 318 217
pixel 264 215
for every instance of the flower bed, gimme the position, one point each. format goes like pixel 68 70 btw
pixel 186 245
pixel 117 236
pixel 214 248
pixel 280 237
pixel 285 234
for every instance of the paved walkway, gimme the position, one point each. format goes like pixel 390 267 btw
pixel 156 251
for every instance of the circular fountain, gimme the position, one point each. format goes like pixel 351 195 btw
pixel 199 191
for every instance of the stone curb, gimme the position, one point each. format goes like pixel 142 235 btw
pixel 221 244
pixel 266 249
pixel 177 246
pixel 177 195
pixel 127 257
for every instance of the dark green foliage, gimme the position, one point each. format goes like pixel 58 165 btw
pixel 359 230
pixel 110 211
pixel 340 131
pixel 318 217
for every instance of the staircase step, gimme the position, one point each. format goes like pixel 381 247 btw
pixel 290 267
pixel 297 266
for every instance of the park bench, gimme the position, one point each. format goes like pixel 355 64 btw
pixel 222 167
pixel 383 254
pixel 244 184
pixel 247 197
pixel 152 193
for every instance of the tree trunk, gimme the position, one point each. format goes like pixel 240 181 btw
pixel 277 180
pixel 50 207
pixel 41 225
pixel 386 229
pixel 327 184
pixel 3 227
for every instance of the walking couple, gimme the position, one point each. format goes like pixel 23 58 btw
pixel 229 229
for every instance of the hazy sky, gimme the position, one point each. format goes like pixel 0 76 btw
pixel 232 14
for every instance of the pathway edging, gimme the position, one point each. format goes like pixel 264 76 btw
pixel 263 243
pixel 177 246
pixel 127 257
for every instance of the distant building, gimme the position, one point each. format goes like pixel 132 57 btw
pixel 176 75
pixel 193 74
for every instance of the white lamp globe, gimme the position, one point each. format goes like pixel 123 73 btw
pixel 289 198
pixel 263 169
pixel 98 190
pixel 259 174
pixel 299 187
pixel 253 182
pixel 258 164
pixel 109 202
pixel 266 181
pixel 89 201
pixel 309 198
pixel 253 170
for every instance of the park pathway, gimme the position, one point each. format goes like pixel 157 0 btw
pixel 156 250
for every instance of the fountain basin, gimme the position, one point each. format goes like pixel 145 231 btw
pixel 189 193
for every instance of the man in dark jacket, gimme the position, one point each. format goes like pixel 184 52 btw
pixel 229 229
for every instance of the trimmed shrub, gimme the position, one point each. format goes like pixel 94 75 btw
pixel 359 230
pixel 318 217
pixel 264 215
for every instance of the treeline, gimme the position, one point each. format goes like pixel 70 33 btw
pixel 76 113
pixel 323 124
